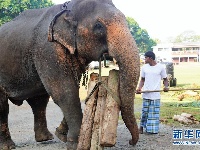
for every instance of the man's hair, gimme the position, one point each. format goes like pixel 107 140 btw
pixel 150 54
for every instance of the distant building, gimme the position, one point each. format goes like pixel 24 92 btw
pixel 177 52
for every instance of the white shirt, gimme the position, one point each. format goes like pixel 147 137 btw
pixel 153 76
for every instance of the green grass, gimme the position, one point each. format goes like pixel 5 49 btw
pixel 188 76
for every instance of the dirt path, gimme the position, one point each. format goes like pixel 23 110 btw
pixel 21 128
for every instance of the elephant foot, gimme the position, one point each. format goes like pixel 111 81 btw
pixel 71 145
pixel 131 142
pixel 135 136
pixel 61 135
pixel 6 142
pixel 7 145
pixel 43 136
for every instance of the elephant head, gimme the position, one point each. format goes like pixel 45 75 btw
pixel 90 28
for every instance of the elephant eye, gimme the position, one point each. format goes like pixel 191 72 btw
pixel 99 29
pixel 98 26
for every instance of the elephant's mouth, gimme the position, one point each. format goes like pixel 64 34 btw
pixel 105 52
pixel 106 56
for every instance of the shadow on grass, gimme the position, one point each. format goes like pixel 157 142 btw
pixel 181 85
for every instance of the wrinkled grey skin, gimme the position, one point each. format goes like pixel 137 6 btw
pixel 43 54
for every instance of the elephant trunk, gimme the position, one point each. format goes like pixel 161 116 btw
pixel 123 48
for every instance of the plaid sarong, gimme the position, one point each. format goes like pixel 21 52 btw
pixel 150 115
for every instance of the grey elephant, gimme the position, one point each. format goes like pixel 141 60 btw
pixel 43 53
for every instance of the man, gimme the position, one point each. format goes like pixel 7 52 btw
pixel 151 75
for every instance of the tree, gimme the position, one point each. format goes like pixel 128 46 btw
pixel 9 9
pixel 141 36
pixel 187 36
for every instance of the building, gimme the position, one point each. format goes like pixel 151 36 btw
pixel 177 52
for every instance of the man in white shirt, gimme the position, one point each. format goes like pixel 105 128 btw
pixel 151 75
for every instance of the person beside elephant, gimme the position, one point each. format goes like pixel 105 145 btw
pixel 151 75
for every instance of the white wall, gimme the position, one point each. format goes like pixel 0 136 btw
pixel 163 52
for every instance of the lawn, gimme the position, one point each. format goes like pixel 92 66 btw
pixel 188 76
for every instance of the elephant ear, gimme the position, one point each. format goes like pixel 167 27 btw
pixel 62 29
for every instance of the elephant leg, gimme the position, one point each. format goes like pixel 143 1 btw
pixel 59 81
pixel 38 105
pixel 71 123
pixel 62 130
pixel 73 118
pixel 5 138
pixel 65 93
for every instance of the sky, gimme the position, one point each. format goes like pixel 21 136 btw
pixel 161 18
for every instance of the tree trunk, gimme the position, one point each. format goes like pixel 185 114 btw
pixel 96 131
pixel 88 116
pixel 111 114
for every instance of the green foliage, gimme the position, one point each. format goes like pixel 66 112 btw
pixel 187 36
pixel 9 9
pixel 141 36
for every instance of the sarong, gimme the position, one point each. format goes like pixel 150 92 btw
pixel 150 115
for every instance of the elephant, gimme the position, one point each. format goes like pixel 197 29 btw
pixel 43 54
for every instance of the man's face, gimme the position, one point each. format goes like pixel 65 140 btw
pixel 147 60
